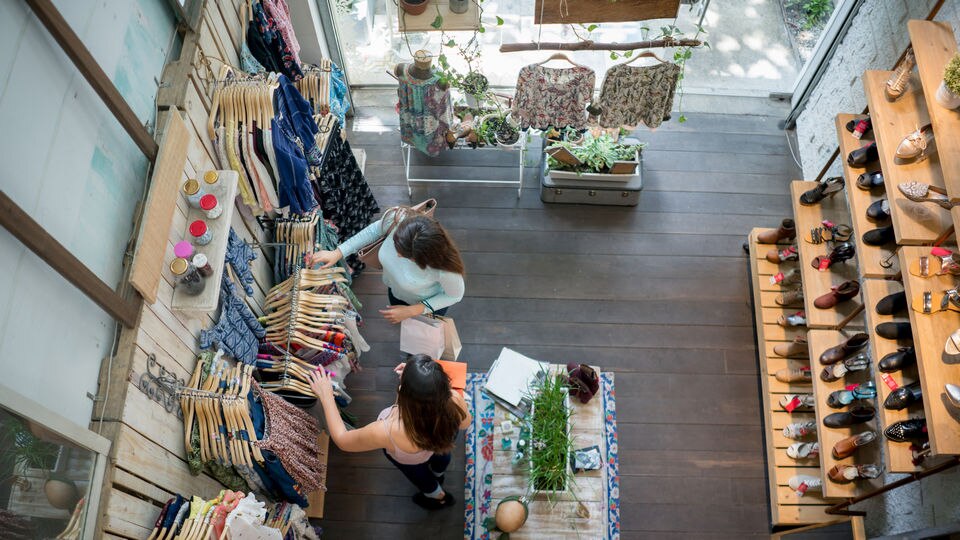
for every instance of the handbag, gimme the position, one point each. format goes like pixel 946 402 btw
pixel 451 339
pixel 370 253
pixel 583 381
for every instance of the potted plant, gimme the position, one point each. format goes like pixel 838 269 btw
pixel 507 133
pixel 550 437
pixel 21 451
pixel 595 158
pixel 414 7
pixel 948 93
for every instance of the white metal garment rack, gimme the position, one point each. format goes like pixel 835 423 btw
pixel 521 146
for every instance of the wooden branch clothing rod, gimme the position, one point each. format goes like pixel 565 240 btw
pixel 594 46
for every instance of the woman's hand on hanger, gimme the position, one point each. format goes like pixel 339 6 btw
pixel 396 314
pixel 326 258
pixel 321 385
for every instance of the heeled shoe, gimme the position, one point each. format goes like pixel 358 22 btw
pixel 786 231
pixel 844 474
pixel 790 299
pixel 844 292
pixel 903 397
pixel 841 398
pixel 916 146
pixel 880 236
pixel 892 303
pixel 842 252
pixel 799 430
pixel 847 447
pixel 844 350
pixel 859 127
pixel 899 80
pixel 860 157
pixel 913 430
pixel 784 255
pixel 828 187
pixel 798 348
pixel 895 361
pixel 869 180
pixel 839 370
pixel 879 210
pixel 920 192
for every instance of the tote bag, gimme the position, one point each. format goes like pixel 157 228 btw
pixel 422 335
pixel 370 253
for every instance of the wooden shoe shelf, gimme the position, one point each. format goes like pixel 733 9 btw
pixel 874 261
pixel 898 458
pixel 816 283
pixel 786 506
pixel 914 223
pixel 820 341
pixel 934 366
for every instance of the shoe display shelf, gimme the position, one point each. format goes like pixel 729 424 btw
pixel 874 261
pixel 934 45
pixel 815 282
pixel 914 223
pixel 898 457
pixel 820 341
pixel 935 367
pixel 786 506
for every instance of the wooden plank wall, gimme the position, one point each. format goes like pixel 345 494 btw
pixel 148 457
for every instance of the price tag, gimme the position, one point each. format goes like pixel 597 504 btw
pixel 794 403
pixel 802 489
pixel 888 380
pixel 860 129
pixel 824 264
pixel 776 278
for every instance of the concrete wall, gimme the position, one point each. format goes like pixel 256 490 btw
pixel 66 161
pixel 875 41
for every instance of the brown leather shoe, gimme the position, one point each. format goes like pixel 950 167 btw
pixel 846 447
pixel 797 348
pixel 786 231
pixel 792 298
pixel 799 375
pixel 841 293
pixel 845 349
pixel 844 474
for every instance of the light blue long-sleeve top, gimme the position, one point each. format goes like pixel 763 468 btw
pixel 410 283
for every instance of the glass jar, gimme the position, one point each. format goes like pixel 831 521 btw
pixel 211 178
pixel 183 249
pixel 200 232
pixel 202 265
pixel 193 192
pixel 211 206
pixel 187 277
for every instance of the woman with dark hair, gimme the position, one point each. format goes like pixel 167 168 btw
pixel 417 434
pixel 422 268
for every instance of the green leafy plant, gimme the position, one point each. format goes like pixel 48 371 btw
pixel 550 440
pixel 814 11
pixel 20 449
pixel 951 75
pixel 598 154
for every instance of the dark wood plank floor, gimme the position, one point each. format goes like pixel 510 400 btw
pixel 657 293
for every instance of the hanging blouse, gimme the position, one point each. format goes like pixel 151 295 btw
pixel 634 94
pixel 281 17
pixel 553 97
pixel 425 112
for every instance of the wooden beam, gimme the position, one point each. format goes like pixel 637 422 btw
pixel 31 234
pixel 599 11
pixel 594 46
pixel 68 40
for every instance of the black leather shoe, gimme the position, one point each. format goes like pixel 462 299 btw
pixel 860 414
pixel 895 361
pixel 879 211
pixel 879 237
pixel 913 430
pixel 870 180
pixel 828 187
pixel 893 303
pixel 903 397
pixel 864 155
pixel 895 330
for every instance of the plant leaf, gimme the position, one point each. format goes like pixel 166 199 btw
pixel 451 43
pixel 438 22
pixel 682 119
pixel 481 29
pixel 614 55
pixel 592 27
pixel 499 21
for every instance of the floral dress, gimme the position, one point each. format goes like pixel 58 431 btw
pixel 554 97
pixel 425 112
pixel 634 94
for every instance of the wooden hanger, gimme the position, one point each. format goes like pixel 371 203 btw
pixel 559 56
pixel 645 54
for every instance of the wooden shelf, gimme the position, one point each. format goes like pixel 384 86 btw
pixel 317 498
pixel 207 301
pixel 821 340
pixel 898 457
pixel 786 507
pixel 914 223
pixel 816 283
pixel 869 257
pixel 931 332
pixel 470 20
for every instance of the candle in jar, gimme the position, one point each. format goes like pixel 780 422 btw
pixel 200 232
pixel 187 276
pixel 183 250
pixel 193 192
pixel 211 177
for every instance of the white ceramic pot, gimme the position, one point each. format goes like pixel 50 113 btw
pixel 946 98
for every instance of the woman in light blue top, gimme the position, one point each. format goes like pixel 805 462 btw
pixel 422 268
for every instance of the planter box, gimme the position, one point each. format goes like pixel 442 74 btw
pixel 537 493
pixel 633 172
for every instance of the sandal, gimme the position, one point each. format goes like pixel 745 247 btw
pixel 869 180
pixel 793 402
pixel 925 303
pixel 804 450
pixel 784 255
pixel 943 263
pixel 799 430
pixel 844 474
pixel 829 232
pixel 919 192
pixel 797 319
pixel 828 187
pixel 837 371
pixel 788 299
pixel 843 252
pixel 842 398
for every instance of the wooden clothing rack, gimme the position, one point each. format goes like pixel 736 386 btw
pixel 588 45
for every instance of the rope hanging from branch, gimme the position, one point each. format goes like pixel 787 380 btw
pixel 594 46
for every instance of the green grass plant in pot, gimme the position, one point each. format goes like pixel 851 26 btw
pixel 550 438
pixel 948 93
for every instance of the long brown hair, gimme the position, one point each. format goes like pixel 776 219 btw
pixel 423 240
pixel 430 416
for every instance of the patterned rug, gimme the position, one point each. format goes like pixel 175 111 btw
pixel 480 496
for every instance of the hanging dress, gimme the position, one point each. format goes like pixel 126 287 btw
pixel 553 97
pixel 634 94
pixel 425 112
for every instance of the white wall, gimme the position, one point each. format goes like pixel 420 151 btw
pixel 66 161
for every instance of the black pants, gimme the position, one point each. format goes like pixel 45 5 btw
pixel 394 301
pixel 422 474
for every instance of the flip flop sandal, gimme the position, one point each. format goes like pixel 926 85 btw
pixel 804 450
pixel 952 346
pixel 797 319
pixel 842 398
pixel 793 402
pixel 829 232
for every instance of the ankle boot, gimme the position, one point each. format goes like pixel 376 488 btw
pixel 786 231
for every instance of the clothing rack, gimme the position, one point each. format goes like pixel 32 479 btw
pixel 521 147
